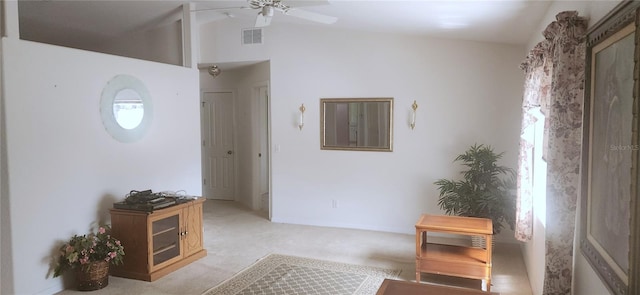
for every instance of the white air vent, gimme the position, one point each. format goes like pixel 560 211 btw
pixel 252 36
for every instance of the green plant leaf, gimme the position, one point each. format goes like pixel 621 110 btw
pixel 487 189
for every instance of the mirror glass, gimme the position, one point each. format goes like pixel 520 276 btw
pixel 364 124
pixel 126 108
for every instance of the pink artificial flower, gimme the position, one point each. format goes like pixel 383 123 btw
pixel 102 230
pixel 112 254
pixel 118 242
pixel 69 249
pixel 84 260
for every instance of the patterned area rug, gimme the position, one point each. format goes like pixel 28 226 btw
pixel 288 275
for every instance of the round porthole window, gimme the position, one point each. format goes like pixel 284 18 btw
pixel 126 108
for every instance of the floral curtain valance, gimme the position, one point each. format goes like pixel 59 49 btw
pixel 537 67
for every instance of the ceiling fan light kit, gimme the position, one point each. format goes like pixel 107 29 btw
pixel 264 17
pixel 214 71
pixel 266 12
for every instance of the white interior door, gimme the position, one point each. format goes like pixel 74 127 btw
pixel 264 141
pixel 217 145
pixel 261 199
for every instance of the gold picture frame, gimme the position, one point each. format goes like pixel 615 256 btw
pixel 356 124
pixel 609 197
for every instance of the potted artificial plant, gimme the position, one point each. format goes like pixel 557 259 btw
pixel 90 256
pixel 486 189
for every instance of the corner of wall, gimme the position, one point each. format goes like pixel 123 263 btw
pixel 3 17
pixel 189 36
pixel 9 22
pixel 6 257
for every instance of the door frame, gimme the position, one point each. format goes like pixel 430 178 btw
pixel 255 101
pixel 233 139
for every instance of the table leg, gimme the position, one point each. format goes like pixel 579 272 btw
pixel 489 246
pixel 486 285
pixel 418 250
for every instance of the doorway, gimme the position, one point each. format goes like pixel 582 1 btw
pixel 262 196
pixel 248 165
pixel 218 165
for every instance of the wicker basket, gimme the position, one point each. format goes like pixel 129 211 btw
pixel 93 276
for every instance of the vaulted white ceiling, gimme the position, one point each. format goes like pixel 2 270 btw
pixel 503 21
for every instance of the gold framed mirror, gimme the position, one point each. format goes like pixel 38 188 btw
pixel 358 124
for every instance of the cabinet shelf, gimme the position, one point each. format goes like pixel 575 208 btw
pixel 452 253
pixel 160 232
pixel 164 249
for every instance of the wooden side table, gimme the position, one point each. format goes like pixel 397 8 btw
pixel 452 260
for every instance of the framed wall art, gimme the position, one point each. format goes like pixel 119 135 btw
pixel 356 124
pixel 609 197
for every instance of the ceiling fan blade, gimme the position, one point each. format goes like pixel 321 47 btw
pixel 219 8
pixel 262 20
pixel 312 16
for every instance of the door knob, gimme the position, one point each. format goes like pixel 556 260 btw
pixel 229 152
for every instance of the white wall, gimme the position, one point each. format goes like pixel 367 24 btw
pixel 159 40
pixel 9 25
pixel 161 44
pixel 5 246
pixel 64 170
pixel 242 81
pixel 585 279
pixel 467 91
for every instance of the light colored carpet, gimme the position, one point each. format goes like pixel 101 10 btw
pixel 288 275
pixel 236 237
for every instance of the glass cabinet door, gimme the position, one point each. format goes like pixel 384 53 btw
pixel 165 239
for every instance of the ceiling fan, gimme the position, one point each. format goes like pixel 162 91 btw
pixel 266 10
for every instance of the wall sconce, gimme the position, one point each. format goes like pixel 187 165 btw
pixel 301 123
pixel 414 106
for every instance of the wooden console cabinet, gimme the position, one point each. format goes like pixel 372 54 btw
pixel 159 242
pixel 453 260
